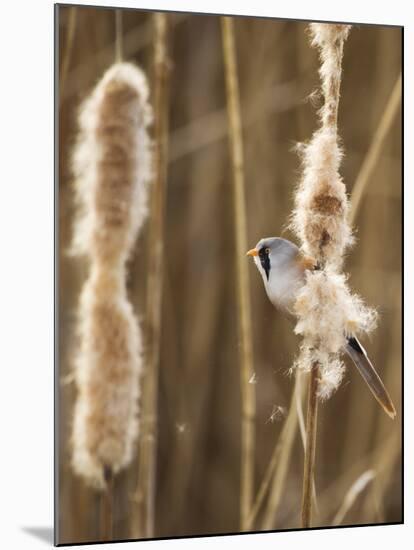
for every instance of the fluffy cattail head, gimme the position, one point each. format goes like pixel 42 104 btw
pixel 326 309
pixel 329 39
pixel 111 162
pixel 327 314
pixel 108 366
pixel 321 209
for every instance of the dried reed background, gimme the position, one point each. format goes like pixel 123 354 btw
pixel 199 408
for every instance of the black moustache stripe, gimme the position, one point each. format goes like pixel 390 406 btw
pixel 265 261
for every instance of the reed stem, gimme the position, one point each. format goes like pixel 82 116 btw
pixel 70 35
pixel 248 397
pixel 148 441
pixel 374 151
pixel 290 422
pixel 285 444
pixel 357 487
pixel 118 36
pixel 309 462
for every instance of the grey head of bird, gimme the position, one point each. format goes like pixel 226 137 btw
pixel 282 267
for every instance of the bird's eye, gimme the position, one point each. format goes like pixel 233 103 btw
pixel 267 250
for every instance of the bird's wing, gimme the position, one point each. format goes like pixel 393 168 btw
pixel 359 356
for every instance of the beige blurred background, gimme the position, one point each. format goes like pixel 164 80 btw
pixel 198 460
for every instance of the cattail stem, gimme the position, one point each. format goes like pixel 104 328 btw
pixel 248 397
pixel 374 151
pixel 106 518
pixel 148 447
pixel 309 462
pixel 302 429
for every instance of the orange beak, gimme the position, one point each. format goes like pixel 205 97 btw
pixel 252 252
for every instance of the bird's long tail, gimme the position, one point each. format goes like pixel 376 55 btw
pixel 359 356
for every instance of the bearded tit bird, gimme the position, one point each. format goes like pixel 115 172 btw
pixel 283 269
